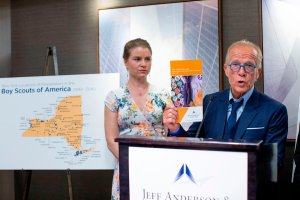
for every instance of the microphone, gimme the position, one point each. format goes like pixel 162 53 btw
pixel 204 115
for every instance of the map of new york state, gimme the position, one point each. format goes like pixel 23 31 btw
pixel 67 122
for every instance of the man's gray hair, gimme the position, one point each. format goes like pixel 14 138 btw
pixel 245 42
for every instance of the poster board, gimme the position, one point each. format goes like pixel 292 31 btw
pixel 281 61
pixel 55 122
pixel 175 31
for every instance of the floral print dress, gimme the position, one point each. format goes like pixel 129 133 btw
pixel 135 121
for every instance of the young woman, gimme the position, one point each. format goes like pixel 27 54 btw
pixel 137 107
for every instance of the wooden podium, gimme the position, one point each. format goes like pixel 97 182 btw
pixel 194 168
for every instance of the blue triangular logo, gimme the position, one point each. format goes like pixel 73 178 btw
pixel 184 170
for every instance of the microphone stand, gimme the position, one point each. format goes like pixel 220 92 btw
pixel 204 115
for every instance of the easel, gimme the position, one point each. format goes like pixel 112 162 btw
pixel 28 174
pixel 50 52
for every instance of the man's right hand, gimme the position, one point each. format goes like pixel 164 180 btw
pixel 170 117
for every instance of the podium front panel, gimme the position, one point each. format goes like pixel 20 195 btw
pixel 160 173
pixel 167 168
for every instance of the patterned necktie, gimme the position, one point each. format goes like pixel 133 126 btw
pixel 232 122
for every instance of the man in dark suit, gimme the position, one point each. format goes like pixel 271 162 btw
pixel 241 112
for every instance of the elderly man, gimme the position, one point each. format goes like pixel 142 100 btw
pixel 241 112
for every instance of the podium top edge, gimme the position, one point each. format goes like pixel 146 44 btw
pixel 189 142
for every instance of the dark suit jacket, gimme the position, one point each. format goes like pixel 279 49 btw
pixel 263 118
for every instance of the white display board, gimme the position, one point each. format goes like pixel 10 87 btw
pixel 157 173
pixel 55 122
pixel 281 63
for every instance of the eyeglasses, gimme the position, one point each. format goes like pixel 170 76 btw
pixel 248 67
